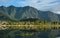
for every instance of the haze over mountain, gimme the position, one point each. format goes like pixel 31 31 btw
pixel 19 13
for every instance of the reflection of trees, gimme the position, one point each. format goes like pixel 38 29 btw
pixel 53 33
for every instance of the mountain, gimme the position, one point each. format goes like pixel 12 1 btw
pixel 49 16
pixel 19 13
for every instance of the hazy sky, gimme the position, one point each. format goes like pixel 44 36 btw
pixel 44 5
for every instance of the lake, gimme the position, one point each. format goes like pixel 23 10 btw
pixel 30 34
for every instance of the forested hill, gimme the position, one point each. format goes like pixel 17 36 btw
pixel 19 13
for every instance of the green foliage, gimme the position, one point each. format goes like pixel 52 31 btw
pixel 35 22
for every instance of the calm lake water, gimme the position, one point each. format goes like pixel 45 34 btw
pixel 30 34
pixel 57 37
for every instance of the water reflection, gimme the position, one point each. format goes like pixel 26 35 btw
pixel 57 37
pixel 30 34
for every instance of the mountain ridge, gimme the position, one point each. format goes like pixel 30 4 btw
pixel 18 13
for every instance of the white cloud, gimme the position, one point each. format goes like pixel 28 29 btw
pixel 57 12
pixel 52 5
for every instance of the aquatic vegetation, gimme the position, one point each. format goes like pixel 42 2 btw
pixel 25 34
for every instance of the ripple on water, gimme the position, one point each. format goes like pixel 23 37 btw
pixel 57 37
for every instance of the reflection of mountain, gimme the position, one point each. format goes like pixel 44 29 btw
pixel 19 13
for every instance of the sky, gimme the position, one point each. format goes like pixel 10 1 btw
pixel 44 5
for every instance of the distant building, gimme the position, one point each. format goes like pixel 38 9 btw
pixel 3 22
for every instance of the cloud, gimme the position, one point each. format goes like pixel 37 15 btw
pixel 56 8
pixel 45 5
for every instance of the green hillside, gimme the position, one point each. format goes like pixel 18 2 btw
pixel 19 13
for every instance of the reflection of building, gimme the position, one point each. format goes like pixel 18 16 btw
pixel 3 22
